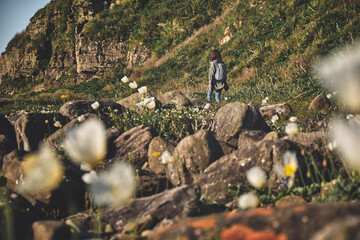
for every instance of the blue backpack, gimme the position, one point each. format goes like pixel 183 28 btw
pixel 220 73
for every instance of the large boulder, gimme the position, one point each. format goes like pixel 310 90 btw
pixel 250 136
pixel 132 101
pixel 315 140
pixel 233 118
pixel 320 104
pixel 148 211
pixel 231 169
pixel 131 146
pixel 176 98
pixel 72 186
pixel 32 128
pixel 76 108
pixel 192 156
pixel 157 147
pixel 283 110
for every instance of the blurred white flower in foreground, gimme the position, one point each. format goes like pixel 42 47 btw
pixel 43 171
pixel 57 124
pixel 289 167
pixel 125 79
pixel 81 118
pixel 292 129
pixel 166 157
pixel 89 177
pixel 274 118
pixel 248 200
pixel 346 134
pixel 114 186
pixel 133 85
pixel 340 73
pixel 328 95
pixel 86 143
pixel 142 90
pixel 256 177
pixel 95 105
pixel 293 119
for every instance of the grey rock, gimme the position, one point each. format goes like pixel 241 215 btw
pixel 157 146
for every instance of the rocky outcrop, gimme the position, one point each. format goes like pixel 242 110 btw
pixel 32 128
pixel 192 156
pixel 283 110
pixel 157 147
pixel 233 118
pixel 50 230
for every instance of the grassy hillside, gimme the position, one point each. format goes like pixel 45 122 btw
pixel 272 48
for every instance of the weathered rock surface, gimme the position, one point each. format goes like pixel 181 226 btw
pixel 233 118
pixel 147 212
pixel 192 156
pixel 157 146
pixel 131 146
pixel 283 110
pixel 320 104
pixel 296 222
pixel 50 230
pixel 231 169
pixel 74 109
pixel 32 128
pixel 315 140
pixel 250 136
pixel 176 98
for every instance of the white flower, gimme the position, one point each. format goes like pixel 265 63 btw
pixel 289 167
pixel 328 95
pixel 256 177
pixel 89 177
pixel 142 90
pixel 346 135
pixel 86 143
pixel 292 129
pixel 225 98
pixel 339 73
pixel 125 79
pixel 43 171
pixel 133 85
pixel 292 119
pixel 207 106
pixel 166 157
pixel 151 105
pixel 274 118
pixel 81 118
pixel 57 124
pixel 115 186
pixel 349 116
pixel 95 105
pixel 248 200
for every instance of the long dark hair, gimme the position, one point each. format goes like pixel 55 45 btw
pixel 215 54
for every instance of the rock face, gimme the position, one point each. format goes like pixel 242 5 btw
pixel 177 202
pixel 192 156
pixel 157 146
pixel 131 146
pixel 233 118
pixel 37 54
pixel 231 169
pixel 32 128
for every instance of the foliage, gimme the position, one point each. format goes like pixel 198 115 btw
pixel 173 124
